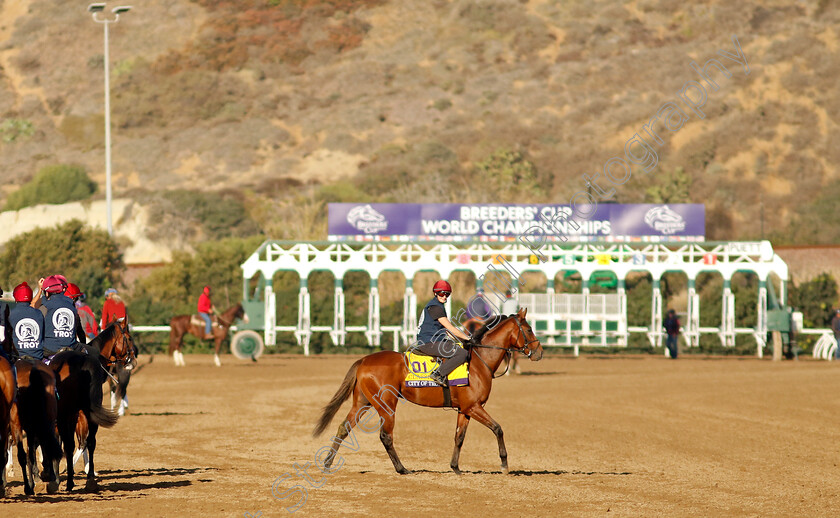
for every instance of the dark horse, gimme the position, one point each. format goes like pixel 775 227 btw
pixel 37 412
pixel 181 325
pixel 379 380
pixel 80 378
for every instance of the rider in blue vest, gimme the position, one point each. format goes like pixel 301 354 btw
pixel 27 325
pixel 431 335
pixel 61 319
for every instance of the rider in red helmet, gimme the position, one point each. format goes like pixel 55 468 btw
pixel 26 325
pixel 86 316
pixel 431 335
pixel 62 327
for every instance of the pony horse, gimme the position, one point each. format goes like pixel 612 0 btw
pixel 378 380
pixel 80 380
pixel 180 325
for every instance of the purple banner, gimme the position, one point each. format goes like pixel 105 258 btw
pixel 485 222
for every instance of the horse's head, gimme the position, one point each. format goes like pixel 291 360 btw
pixel 120 349
pixel 526 341
pixel 240 314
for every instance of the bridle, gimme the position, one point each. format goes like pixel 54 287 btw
pixel 232 320
pixel 127 356
pixel 508 350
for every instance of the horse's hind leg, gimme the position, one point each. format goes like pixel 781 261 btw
pixel 28 479
pixel 386 435
pixel 359 401
pixel 385 403
pixel 66 432
pixel 91 485
pixel 481 415
pixel 460 433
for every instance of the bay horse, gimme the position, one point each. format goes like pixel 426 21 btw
pixel 378 380
pixel 10 431
pixel 119 367
pixel 180 325
pixel 37 411
pixel 80 378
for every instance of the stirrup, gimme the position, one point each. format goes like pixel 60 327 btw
pixel 438 378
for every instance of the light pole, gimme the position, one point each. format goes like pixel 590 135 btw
pixel 95 10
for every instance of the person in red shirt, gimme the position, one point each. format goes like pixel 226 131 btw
pixel 113 309
pixel 86 316
pixel 205 309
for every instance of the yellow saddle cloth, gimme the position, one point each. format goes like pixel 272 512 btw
pixel 420 366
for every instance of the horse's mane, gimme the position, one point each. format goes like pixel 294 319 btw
pixel 104 336
pixel 488 326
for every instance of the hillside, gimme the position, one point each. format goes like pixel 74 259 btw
pixel 286 104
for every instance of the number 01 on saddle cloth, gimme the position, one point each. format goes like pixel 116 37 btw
pixel 420 366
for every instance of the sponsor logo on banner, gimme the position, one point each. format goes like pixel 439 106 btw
pixel 367 219
pixel 665 220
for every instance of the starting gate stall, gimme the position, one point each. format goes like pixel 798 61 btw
pixel 559 319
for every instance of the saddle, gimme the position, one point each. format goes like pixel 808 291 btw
pixel 196 320
pixel 421 365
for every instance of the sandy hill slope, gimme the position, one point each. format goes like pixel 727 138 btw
pixel 399 100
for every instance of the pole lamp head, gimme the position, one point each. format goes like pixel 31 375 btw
pixel 121 9
pixel 96 8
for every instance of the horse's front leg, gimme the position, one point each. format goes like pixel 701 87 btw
pixel 460 433
pixel 481 415
pixel 216 357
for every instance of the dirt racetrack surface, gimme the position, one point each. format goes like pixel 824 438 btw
pixel 629 436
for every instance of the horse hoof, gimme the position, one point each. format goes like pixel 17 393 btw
pixel 91 486
pixel 505 470
pixel 52 487
pixel 456 470
pixel 404 471
pixel 29 490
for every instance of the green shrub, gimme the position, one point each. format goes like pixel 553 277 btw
pixel 174 288
pixel 55 184
pixel 13 129
pixel 218 216
pixel 87 257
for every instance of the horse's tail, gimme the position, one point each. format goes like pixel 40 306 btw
pixel 340 396
pixel 43 410
pixel 98 414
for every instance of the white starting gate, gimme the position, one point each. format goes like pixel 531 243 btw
pixel 559 319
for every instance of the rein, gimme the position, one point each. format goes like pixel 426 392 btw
pixel 112 359
pixel 224 320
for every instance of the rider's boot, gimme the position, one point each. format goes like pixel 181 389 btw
pixel 438 378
